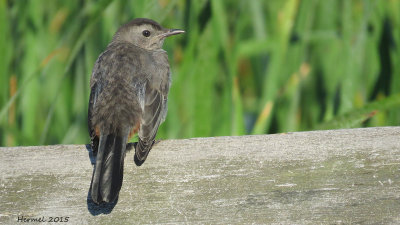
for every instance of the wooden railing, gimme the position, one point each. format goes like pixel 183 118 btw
pixel 321 177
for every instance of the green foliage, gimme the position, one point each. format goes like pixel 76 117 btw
pixel 242 67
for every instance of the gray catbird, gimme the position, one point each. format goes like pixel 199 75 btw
pixel 129 89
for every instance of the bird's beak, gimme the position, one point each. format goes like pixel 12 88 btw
pixel 173 32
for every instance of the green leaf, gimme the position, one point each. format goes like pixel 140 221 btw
pixel 356 117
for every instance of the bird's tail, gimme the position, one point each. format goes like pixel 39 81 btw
pixel 108 173
pixel 142 150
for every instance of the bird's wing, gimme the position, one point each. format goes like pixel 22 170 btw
pixel 155 109
pixel 94 93
pixel 154 106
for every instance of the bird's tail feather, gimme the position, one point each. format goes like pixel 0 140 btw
pixel 108 173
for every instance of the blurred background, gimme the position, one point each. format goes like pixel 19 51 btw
pixel 242 67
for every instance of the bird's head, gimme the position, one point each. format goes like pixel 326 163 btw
pixel 144 33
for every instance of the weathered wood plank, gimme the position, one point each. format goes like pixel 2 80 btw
pixel 328 177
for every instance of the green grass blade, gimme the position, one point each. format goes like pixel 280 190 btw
pixel 356 117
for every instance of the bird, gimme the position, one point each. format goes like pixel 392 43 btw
pixel 129 89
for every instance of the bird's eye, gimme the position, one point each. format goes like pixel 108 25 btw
pixel 146 33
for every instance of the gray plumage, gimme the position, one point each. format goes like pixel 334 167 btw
pixel 129 89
